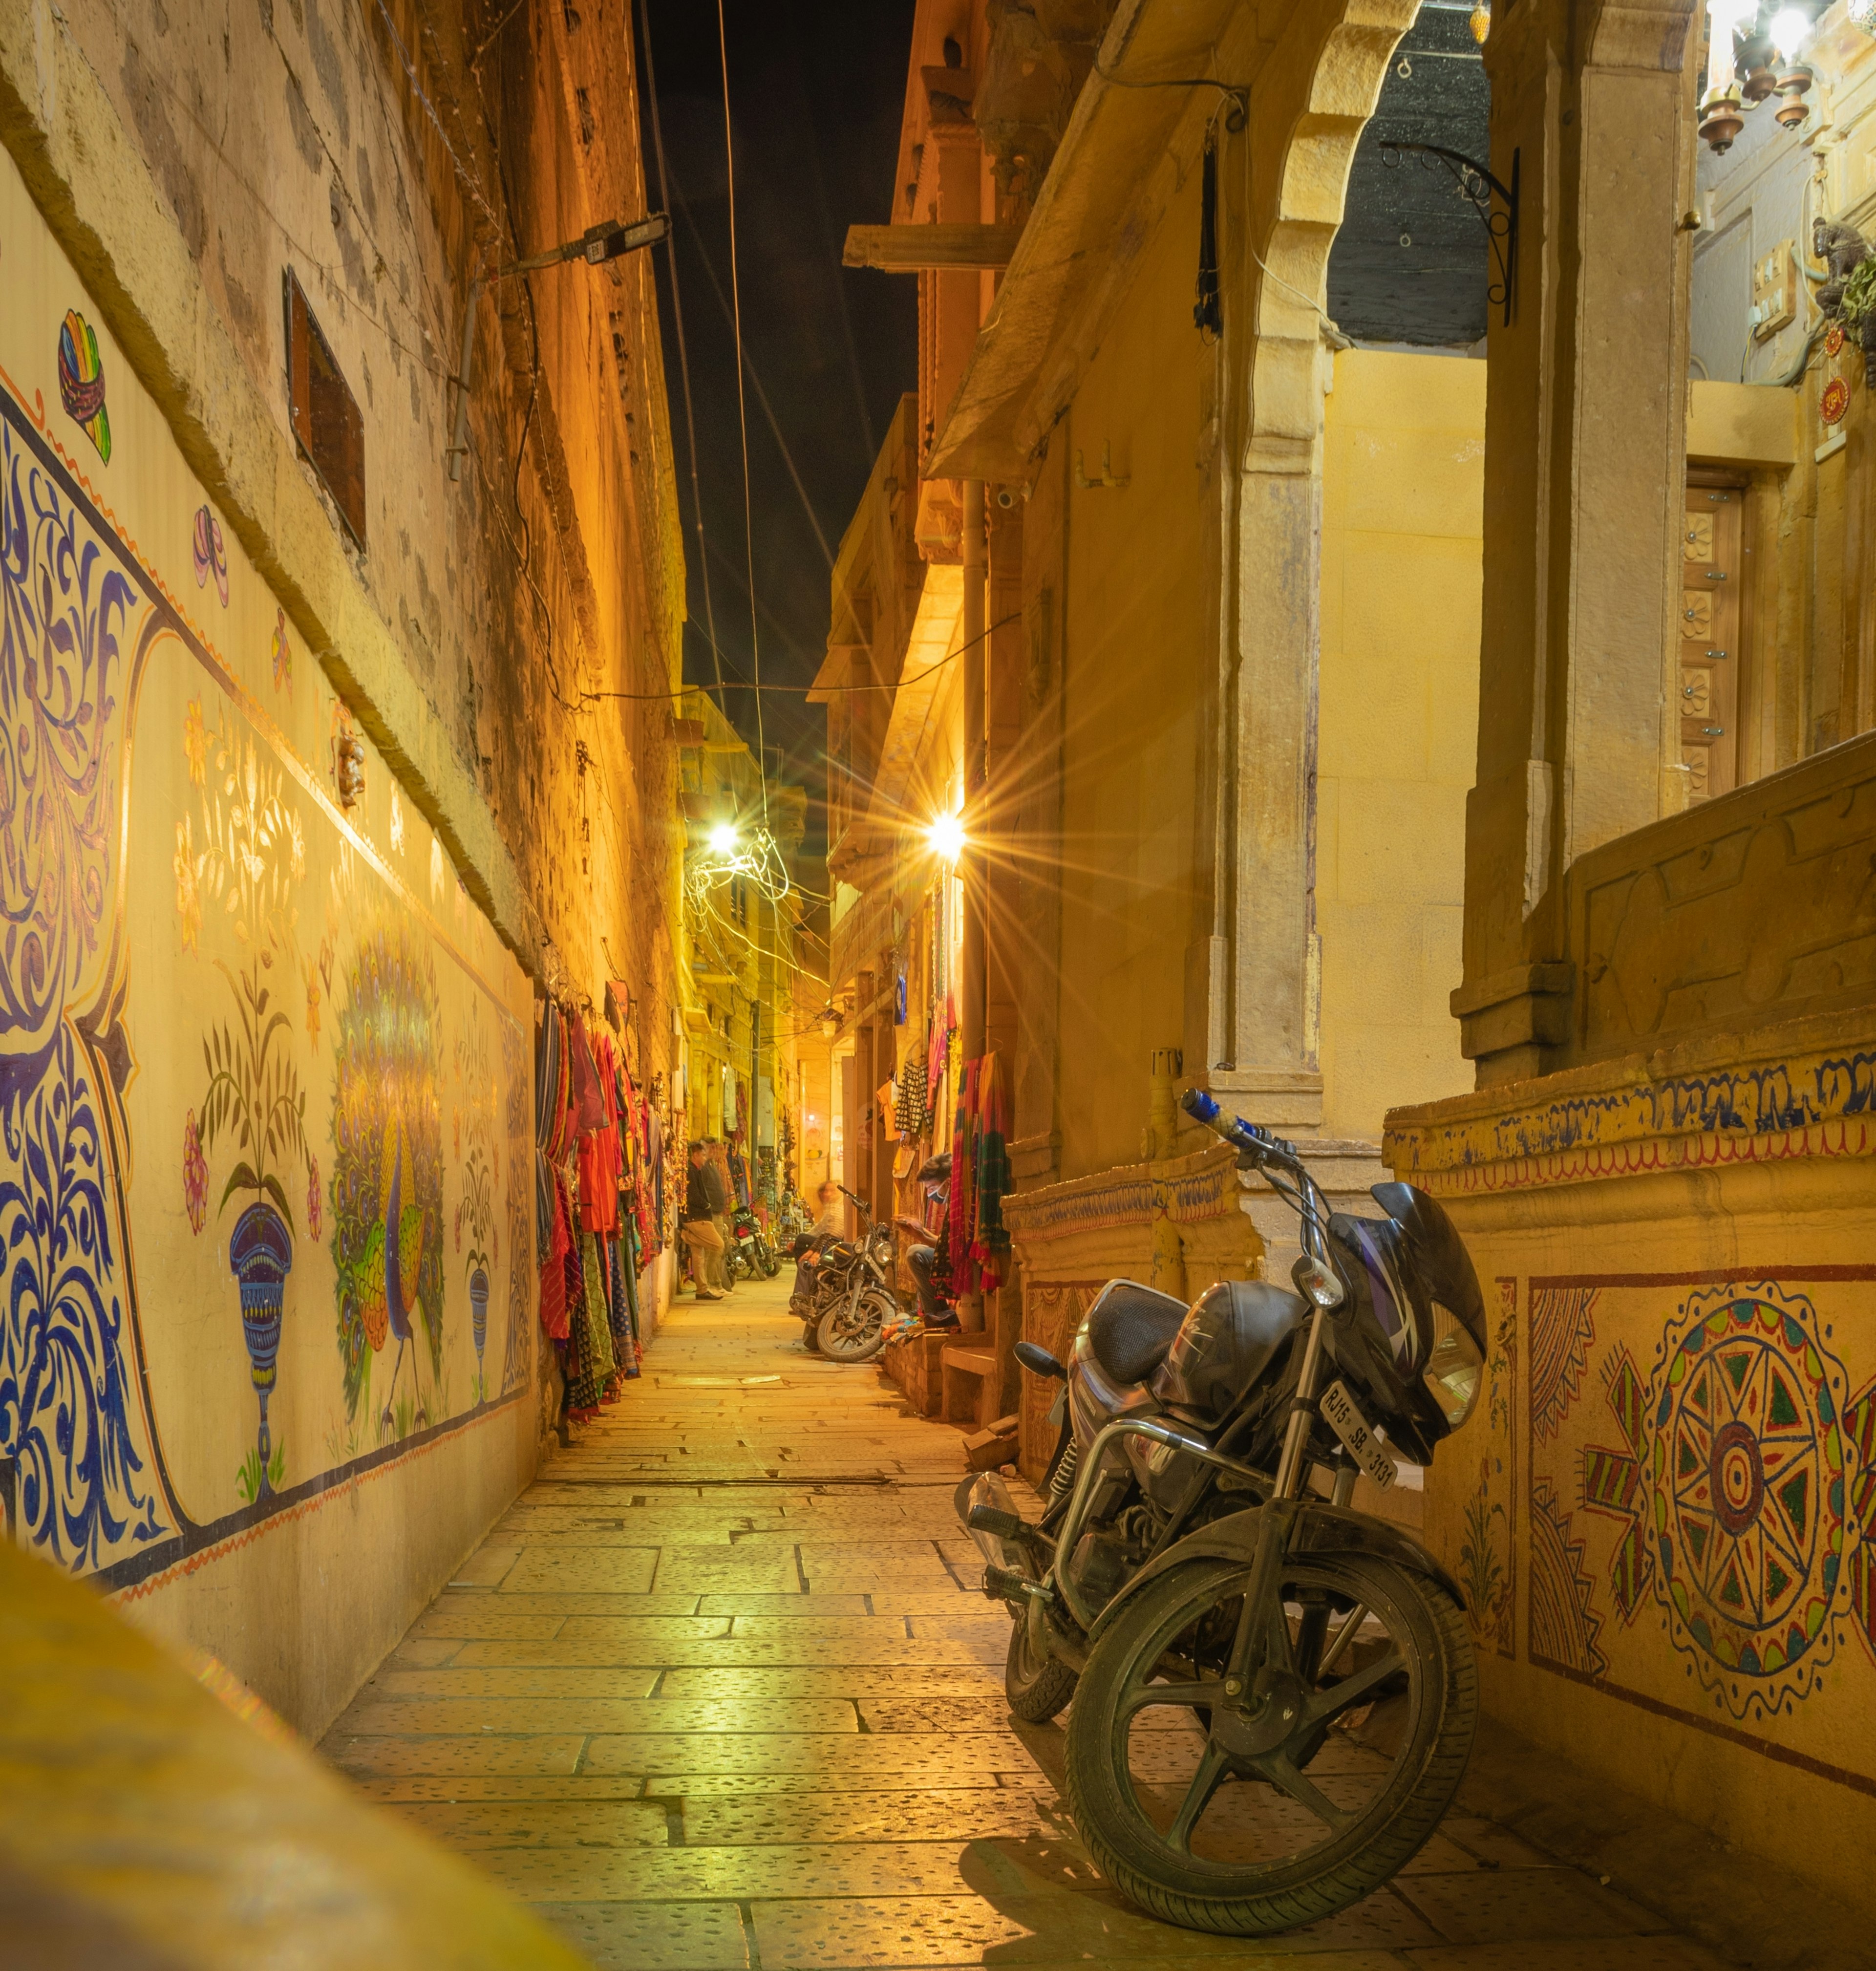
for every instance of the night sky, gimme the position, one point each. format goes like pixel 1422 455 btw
pixel 816 91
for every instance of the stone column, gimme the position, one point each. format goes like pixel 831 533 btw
pixel 1585 460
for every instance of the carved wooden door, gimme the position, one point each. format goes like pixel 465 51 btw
pixel 1712 576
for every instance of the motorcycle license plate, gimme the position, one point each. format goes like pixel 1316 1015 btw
pixel 1347 1421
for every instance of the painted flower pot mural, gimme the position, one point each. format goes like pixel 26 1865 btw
pixel 479 1322
pixel 250 866
pixel 387 1178
pixel 260 1256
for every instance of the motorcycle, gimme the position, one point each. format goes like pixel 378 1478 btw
pixel 750 1252
pixel 1274 1695
pixel 845 1298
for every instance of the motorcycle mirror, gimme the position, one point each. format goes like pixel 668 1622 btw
pixel 1315 1282
pixel 1038 1361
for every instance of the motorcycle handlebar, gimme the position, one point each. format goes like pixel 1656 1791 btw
pixel 1260 1145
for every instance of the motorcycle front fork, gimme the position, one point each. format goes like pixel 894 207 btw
pixel 1258 1653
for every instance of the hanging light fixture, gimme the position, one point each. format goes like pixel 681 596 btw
pixel 1480 21
pixel 1790 27
pixel 1720 119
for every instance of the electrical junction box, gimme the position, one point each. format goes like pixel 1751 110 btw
pixel 1774 291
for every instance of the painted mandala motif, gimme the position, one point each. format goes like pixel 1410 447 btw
pixel 1748 1483
pixel 1834 402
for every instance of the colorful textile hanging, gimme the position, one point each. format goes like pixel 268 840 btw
pixel 911 1112
pixel 596 1365
pixel 554 1265
pixel 547 1065
pixel 963 1214
pixel 990 1239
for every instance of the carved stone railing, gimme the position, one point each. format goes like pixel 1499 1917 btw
pixel 1758 906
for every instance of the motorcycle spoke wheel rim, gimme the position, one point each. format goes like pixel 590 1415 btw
pixel 1212 1806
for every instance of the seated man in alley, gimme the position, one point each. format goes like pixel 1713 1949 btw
pixel 701 1235
pixel 930 1258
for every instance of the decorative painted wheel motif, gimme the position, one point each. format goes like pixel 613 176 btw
pixel 1749 1490
pixel 1835 401
pixel 1833 339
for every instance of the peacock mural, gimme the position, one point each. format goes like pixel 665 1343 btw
pixel 387 1181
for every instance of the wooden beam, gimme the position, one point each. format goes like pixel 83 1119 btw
pixel 910 249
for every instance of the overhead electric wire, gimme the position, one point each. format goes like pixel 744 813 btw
pixel 762 395
pixel 742 413
pixel 683 351
pixel 805 690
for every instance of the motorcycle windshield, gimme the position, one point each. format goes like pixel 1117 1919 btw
pixel 1377 1245
pixel 1436 1252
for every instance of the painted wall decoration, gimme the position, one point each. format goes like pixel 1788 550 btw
pixel 1701 1501
pixel 238 1034
pixel 1487 1551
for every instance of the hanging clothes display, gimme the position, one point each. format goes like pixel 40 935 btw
pixel 963 1211
pixel 554 1260
pixel 911 1113
pixel 596 1364
pixel 599 1148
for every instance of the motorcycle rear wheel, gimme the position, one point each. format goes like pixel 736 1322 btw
pixel 1287 1846
pixel 852 1330
pixel 1036 1690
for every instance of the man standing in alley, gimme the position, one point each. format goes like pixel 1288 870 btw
pixel 716 1187
pixel 701 1235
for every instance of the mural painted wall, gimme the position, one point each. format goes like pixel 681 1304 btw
pixel 265 1108
pixel 1663 1513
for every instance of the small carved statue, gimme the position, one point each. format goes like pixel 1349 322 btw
pixel 1842 249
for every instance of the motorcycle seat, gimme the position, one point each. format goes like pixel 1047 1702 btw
pixel 1131 1329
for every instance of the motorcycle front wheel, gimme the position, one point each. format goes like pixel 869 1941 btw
pixel 852 1330
pixel 1247 1819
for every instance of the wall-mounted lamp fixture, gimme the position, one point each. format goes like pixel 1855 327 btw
pixel 596 246
pixel 945 834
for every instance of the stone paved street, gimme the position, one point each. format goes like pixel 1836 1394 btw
pixel 719 1692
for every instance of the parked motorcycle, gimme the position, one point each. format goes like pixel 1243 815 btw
pixel 845 1299
pixel 1275 1695
pixel 750 1252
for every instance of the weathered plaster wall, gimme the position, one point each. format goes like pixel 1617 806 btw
pixel 178 848
pixel 1403 481
pixel 1139 617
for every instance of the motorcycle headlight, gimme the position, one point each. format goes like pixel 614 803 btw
pixel 1455 1367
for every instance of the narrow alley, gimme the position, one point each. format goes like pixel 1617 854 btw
pixel 719 1692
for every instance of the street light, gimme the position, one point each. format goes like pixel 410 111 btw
pixel 723 837
pixel 945 834
pixel 596 246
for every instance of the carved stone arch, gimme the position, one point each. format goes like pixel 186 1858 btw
pixel 1312 97
pixel 1311 101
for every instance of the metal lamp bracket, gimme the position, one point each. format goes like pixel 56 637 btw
pixel 1479 189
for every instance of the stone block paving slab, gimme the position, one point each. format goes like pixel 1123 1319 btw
pixel 720 1693
pixel 859 1680
pixel 1524 1904
pixel 804 1604
pixel 384 1715
pixel 610 1684
pixel 639 1823
pixel 453 1789
pixel 650 1936
pixel 1602 1953
pixel 794 1643
pixel 606 1570
pixel 756 1872
pixel 918 1760
pixel 948 1814
pixel 830 1934
pixel 484 1753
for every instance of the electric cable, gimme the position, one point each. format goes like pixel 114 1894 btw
pixel 742 413
pixel 683 350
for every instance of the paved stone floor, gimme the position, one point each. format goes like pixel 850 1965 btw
pixel 719 1692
